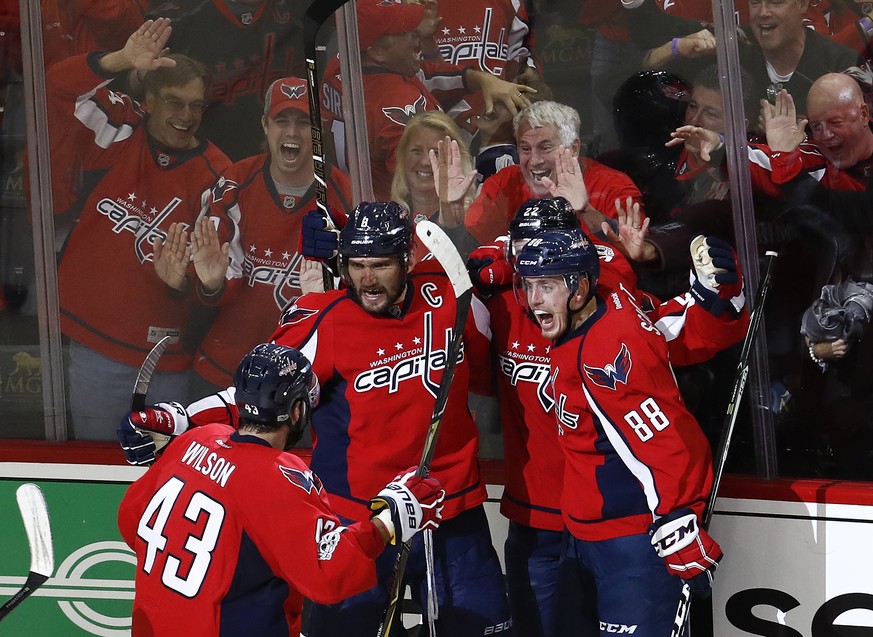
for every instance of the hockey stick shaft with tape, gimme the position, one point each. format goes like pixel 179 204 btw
pixel 316 15
pixel 445 252
pixel 740 377
pixel 34 514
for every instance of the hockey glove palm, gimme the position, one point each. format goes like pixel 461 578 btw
pixel 489 268
pixel 413 504
pixel 717 279
pixel 688 551
pixel 144 433
pixel 317 240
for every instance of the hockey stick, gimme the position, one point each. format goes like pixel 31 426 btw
pixel 34 514
pixel 144 376
pixel 445 252
pixel 316 15
pixel 740 377
pixel 141 388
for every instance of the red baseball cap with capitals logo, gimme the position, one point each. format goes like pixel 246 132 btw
pixel 377 18
pixel 289 92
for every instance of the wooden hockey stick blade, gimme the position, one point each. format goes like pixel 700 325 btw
pixel 144 376
pixel 436 240
pixel 34 514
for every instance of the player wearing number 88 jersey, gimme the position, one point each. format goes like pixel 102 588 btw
pixel 231 530
pixel 636 461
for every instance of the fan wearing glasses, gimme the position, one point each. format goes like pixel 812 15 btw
pixel 146 178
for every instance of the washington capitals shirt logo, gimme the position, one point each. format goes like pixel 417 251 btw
pixel 611 374
pixel 306 480
pixel 402 114
pixel 294 92
pixel 295 315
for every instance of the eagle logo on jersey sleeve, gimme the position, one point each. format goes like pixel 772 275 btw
pixel 613 373
pixel 402 114
pixel 294 315
pixel 306 480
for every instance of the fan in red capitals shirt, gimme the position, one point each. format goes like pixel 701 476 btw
pixel 149 171
pixel 548 143
pixel 259 205
pixel 397 85
pixel 839 157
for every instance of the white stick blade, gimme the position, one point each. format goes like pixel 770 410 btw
pixel 438 242
pixel 34 514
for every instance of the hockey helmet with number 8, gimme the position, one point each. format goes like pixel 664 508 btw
pixel 376 229
pixel 270 380
pixel 565 253
pixel 537 215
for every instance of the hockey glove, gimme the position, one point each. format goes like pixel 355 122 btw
pixel 144 433
pixel 317 240
pixel 409 504
pixel 687 550
pixel 489 268
pixel 717 280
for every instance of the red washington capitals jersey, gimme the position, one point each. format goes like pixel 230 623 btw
pixel 111 299
pixel 632 450
pixel 230 535
pixel 532 495
pixel 771 169
pixel 263 276
pixel 503 193
pixel 379 378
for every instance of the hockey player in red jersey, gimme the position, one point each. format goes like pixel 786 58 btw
pixel 148 173
pixel 638 468
pixel 378 348
pixel 231 530
pixel 542 595
pixel 258 207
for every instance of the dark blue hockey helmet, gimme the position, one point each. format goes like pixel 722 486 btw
pixel 567 253
pixel 270 380
pixel 536 215
pixel 376 229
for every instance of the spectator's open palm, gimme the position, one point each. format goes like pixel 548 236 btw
pixel 784 131
pixel 145 48
pixel 171 257
pixel 210 255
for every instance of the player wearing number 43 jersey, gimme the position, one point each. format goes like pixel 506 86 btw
pixel 231 530
pixel 379 349
pixel 638 469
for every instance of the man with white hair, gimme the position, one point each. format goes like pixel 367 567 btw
pixel 547 136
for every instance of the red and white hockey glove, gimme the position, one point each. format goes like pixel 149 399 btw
pixel 717 279
pixel 688 550
pixel 144 433
pixel 489 268
pixel 409 504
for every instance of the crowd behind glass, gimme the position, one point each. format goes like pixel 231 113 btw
pixel 643 78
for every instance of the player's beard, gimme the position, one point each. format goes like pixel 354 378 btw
pixel 386 305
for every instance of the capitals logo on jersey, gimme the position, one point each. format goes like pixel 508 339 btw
pixel 295 315
pixel 612 373
pixel 306 480
pixel 402 114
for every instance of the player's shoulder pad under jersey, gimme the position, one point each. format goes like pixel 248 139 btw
pixel 309 306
